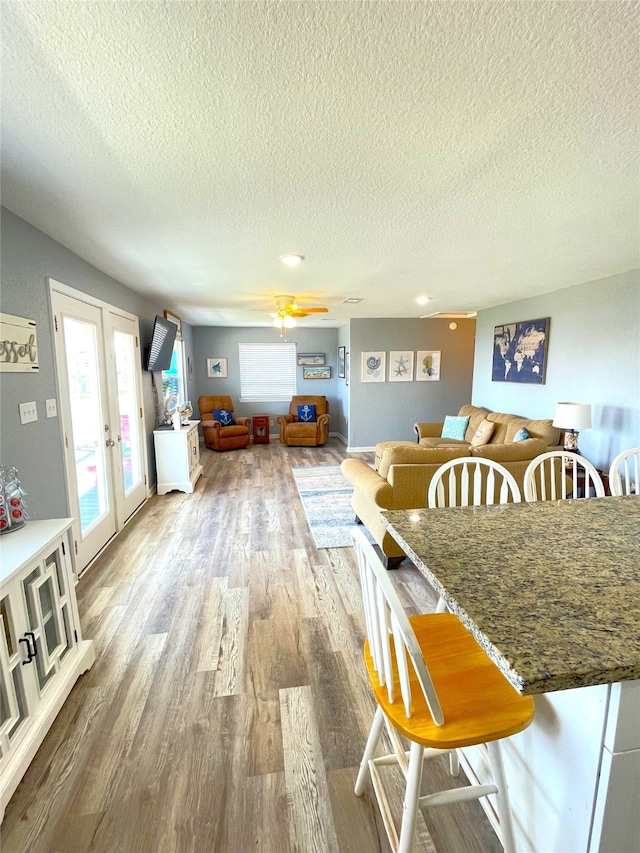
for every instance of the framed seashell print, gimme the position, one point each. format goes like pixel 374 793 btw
pixel 374 365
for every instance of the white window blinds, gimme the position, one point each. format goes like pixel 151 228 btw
pixel 267 372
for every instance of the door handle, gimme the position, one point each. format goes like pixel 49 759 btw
pixel 30 655
pixel 110 442
pixel 33 642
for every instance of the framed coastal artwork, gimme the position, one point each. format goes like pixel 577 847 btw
pixel 310 358
pixel 428 365
pixel 316 372
pixel 520 352
pixel 341 362
pixel 400 366
pixel 217 368
pixel 374 365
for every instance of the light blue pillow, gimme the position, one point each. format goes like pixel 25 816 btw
pixel 455 427
pixel 521 435
pixel 307 414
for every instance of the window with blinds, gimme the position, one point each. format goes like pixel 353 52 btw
pixel 267 372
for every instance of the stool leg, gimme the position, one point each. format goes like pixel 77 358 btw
pixel 504 810
pixel 370 748
pixel 411 798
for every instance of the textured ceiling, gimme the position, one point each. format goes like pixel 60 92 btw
pixel 475 152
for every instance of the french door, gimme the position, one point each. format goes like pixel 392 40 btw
pixel 99 379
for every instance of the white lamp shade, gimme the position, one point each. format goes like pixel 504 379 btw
pixel 574 416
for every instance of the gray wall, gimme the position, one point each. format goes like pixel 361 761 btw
pixel 593 357
pixel 388 410
pixel 222 342
pixel 28 258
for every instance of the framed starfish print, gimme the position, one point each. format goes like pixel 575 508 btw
pixel 401 366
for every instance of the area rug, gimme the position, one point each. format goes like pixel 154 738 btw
pixel 326 498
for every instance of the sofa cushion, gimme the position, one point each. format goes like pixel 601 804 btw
pixel 483 434
pixel 407 453
pixel 476 415
pixel 455 426
pixel 518 452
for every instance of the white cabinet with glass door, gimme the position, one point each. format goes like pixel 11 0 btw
pixel 42 653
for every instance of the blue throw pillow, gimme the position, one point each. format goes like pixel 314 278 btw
pixel 455 427
pixel 521 435
pixel 225 416
pixel 307 414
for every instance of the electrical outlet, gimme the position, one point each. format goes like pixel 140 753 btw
pixel 271 422
pixel 28 413
pixel 52 408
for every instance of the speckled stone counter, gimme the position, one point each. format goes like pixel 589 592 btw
pixel 550 590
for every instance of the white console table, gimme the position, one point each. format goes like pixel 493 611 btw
pixel 177 458
pixel 42 653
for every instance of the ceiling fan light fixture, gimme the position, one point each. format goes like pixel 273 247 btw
pixel 291 260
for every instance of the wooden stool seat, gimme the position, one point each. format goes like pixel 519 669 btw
pixel 435 686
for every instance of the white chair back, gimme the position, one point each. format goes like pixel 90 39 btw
pixel 472 481
pixel 546 477
pixel 624 473
pixel 385 616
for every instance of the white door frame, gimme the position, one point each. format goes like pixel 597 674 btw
pixel 121 515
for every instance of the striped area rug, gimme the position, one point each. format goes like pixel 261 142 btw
pixel 326 498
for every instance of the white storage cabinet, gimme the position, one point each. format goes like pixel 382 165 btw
pixel 177 458
pixel 42 653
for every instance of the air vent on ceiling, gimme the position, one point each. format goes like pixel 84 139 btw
pixel 352 300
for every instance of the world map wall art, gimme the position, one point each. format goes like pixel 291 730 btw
pixel 520 352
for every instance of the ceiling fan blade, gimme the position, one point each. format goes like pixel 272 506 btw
pixel 315 310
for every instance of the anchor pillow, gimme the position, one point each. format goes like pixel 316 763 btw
pixel 307 414
pixel 225 416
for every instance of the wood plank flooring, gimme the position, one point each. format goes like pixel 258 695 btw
pixel 228 707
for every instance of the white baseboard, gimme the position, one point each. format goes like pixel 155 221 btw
pixel 361 449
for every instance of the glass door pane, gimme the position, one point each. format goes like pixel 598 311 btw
pixel 87 421
pixel 129 434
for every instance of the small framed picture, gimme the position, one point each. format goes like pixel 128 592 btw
pixel 172 318
pixel 401 366
pixel 316 373
pixel 310 358
pixel 341 362
pixel 374 365
pixel 217 368
pixel 428 366
pixel 346 369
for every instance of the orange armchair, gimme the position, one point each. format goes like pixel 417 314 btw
pixel 304 433
pixel 216 435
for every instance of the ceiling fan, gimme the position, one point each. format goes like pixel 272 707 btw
pixel 287 306
pixel 289 310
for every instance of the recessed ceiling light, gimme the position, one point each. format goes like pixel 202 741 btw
pixel 291 260
pixel 422 300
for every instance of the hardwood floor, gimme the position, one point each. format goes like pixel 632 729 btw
pixel 228 707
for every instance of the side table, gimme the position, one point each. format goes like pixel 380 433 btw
pixel 260 429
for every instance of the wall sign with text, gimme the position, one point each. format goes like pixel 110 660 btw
pixel 18 345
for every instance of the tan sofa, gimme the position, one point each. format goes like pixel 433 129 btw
pixel 403 470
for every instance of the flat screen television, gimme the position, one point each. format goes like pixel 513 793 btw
pixel 161 346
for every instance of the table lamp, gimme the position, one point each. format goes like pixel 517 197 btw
pixel 572 417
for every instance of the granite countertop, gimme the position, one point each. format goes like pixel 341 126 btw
pixel 550 590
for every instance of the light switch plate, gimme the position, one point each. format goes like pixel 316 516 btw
pixel 28 413
pixel 52 408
